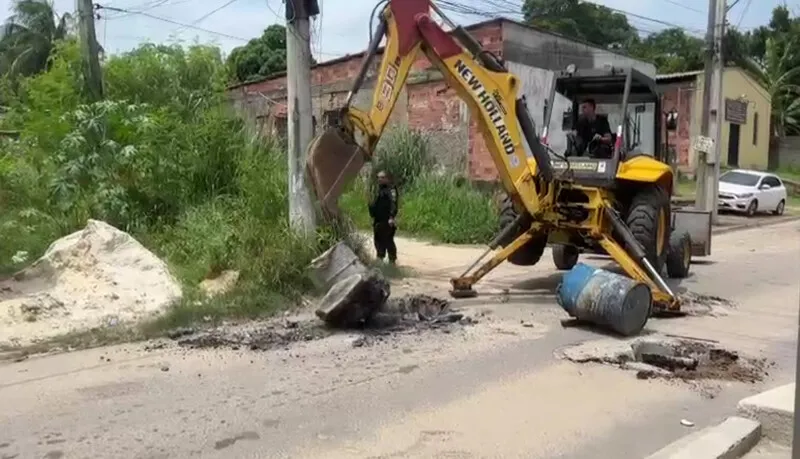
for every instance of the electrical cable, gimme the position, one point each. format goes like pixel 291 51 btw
pixel 188 26
pixel 460 7
pixel 209 14
pixel 744 12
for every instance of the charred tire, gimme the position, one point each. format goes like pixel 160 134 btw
pixel 679 255
pixel 565 256
pixel 530 253
pixel 649 221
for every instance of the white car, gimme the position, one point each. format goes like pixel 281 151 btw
pixel 747 191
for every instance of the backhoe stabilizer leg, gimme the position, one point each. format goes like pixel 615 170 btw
pixel 462 286
pixel 637 266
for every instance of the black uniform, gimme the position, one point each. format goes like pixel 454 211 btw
pixel 382 209
pixel 587 129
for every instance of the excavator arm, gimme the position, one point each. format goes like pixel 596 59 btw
pixel 491 93
pixel 481 81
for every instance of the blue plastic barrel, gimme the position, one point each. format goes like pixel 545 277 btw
pixel 605 298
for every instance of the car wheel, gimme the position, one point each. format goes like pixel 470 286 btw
pixel 752 208
pixel 781 207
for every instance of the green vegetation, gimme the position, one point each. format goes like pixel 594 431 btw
pixel 163 158
pixel 29 36
pixel 445 209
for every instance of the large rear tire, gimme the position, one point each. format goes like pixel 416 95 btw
pixel 530 253
pixel 649 221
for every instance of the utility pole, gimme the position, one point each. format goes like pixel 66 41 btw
pixel 707 174
pixel 301 127
pixel 719 103
pixel 92 76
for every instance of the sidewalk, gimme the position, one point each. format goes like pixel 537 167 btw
pixel 762 430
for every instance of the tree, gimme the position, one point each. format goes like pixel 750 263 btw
pixel 260 57
pixel 671 50
pixel 778 73
pixel 586 21
pixel 29 37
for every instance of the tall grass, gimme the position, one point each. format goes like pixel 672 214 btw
pixel 433 205
pixel 164 158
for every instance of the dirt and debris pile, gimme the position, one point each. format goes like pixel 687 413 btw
pixel 256 337
pixel 671 358
pixel 95 277
pixel 694 304
pixel 357 300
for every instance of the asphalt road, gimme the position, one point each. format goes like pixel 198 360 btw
pixel 490 390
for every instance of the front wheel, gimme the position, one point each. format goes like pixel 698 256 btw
pixel 752 208
pixel 649 222
pixel 781 207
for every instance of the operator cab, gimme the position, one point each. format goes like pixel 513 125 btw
pixel 630 93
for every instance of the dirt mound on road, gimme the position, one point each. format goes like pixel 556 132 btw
pixel 408 314
pixel 95 277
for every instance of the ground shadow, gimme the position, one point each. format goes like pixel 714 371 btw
pixel 595 329
pixel 547 283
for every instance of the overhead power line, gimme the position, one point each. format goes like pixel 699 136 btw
pixel 506 7
pixel 170 21
pixel 188 26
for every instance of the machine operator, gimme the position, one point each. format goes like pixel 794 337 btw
pixel 593 129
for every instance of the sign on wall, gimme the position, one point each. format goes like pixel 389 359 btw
pixel 735 111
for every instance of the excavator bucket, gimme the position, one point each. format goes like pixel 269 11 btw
pixel 332 160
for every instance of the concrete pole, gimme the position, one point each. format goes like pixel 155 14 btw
pixel 301 128
pixel 701 172
pixel 92 76
pixel 719 104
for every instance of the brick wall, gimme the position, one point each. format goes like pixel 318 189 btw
pixel 680 98
pixel 431 107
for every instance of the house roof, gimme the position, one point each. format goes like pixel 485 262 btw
pixel 683 76
pixel 678 75
pixel 477 25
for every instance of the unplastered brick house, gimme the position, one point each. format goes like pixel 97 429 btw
pixel 427 104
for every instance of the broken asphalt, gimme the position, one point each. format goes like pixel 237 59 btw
pixel 494 387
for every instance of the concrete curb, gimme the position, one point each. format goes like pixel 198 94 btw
pixel 754 224
pixel 774 409
pixel 731 439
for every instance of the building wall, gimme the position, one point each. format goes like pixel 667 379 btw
pixel 789 152
pixel 536 48
pixel 425 104
pixel 753 155
pixel 681 98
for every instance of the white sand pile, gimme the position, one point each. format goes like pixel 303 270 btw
pixel 97 277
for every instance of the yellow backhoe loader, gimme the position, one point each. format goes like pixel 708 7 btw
pixel 547 201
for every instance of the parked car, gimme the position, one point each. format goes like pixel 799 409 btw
pixel 748 192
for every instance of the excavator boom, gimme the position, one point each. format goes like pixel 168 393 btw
pixel 491 93
pixel 478 77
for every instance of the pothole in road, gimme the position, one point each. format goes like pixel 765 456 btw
pixel 671 359
pixel 408 314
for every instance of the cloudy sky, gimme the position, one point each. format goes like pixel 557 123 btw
pixel 342 26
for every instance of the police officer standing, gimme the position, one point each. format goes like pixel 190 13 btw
pixel 383 210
